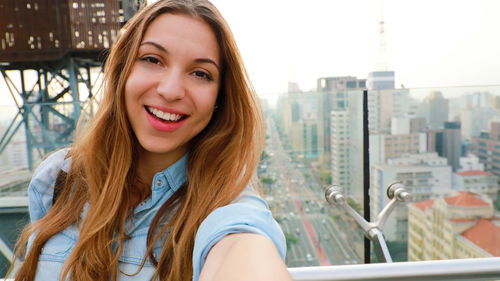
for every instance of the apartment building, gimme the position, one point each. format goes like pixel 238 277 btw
pixel 476 181
pixel 463 225
pixel 487 148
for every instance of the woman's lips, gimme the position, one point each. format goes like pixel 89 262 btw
pixel 163 120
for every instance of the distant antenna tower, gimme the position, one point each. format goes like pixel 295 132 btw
pixel 382 64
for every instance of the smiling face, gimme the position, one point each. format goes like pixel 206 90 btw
pixel 172 88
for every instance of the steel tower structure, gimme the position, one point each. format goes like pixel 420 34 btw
pixel 51 57
pixel 382 63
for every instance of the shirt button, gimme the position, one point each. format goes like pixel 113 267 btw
pixel 159 182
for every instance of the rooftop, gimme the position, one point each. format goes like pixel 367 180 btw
pixel 466 199
pixel 458 220
pixel 485 235
pixel 473 173
pixel 424 204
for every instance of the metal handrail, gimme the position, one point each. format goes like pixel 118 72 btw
pixel 443 270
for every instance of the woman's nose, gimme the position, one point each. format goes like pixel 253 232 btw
pixel 171 85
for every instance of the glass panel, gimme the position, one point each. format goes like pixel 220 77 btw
pixel 313 142
pixel 442 144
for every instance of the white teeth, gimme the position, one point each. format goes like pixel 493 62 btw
pixel 164 115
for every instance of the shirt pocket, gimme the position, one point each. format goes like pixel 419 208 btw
pixel 58 247
pixel 135 248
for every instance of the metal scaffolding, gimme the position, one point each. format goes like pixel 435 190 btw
pixel 49 108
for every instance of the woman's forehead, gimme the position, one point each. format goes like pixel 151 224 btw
pixel 178 31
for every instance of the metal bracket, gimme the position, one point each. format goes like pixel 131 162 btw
pixel 372 230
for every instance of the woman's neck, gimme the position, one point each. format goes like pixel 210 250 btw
pixel 151 163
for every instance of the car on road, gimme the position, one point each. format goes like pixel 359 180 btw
pixel 309 257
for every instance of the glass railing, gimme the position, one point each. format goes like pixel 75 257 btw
pixel 412 140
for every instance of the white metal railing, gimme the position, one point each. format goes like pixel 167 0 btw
pixel 451 270
pixel 442 270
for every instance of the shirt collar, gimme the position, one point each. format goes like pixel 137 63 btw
pixel 175 175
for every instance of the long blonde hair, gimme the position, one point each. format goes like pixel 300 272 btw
pixel 221 162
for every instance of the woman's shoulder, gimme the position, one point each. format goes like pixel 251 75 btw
pixel 248 213
pixel 53 162
pixel 41 187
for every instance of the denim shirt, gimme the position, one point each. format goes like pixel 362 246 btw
pixel 248 213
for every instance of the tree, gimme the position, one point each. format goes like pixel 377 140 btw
pixel 267 180
pixel 290 240
pixel 264 156
pixel 354 205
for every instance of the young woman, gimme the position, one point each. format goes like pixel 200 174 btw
pixel 157 185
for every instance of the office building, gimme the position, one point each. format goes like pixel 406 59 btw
pixel 478 182
pixel 447 142
pixel 381 80
pixel 469 163
pixel 347 146
pixel 436 110
pixel 386 146
pixel 487 148
pixel 475 120
pixel 386 104
pixel 424 175
pixel 298 118
pixel 452 144
pixel 333 95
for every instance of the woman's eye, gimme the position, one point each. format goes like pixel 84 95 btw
pixel 150 60
pixel 202 74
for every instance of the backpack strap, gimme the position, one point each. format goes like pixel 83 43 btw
pixel 59 185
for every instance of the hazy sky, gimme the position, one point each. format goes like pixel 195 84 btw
pixel 429 42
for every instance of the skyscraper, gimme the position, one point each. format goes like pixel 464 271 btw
pixel 333 95
pixel 452 148
pixel 447 142
pixel 298 117
pixel 436 110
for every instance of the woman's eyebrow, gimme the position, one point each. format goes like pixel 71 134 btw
pixel 207 60
pixel 198 60
pixel 156 45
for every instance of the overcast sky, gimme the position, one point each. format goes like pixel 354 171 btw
pixel 429 42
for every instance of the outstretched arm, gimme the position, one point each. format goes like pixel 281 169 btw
pixel 244 256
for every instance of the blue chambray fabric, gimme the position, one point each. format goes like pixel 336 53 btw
pixel 248 213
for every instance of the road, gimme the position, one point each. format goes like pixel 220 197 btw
pixel 299 206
